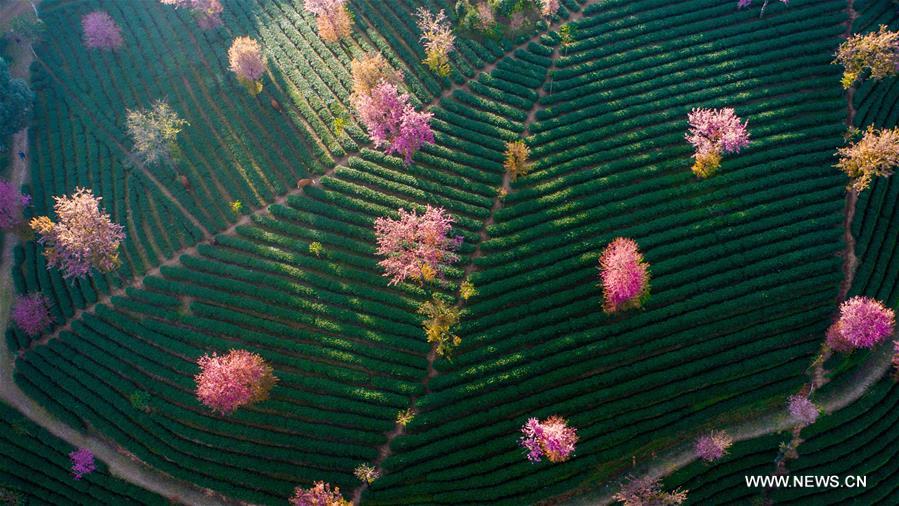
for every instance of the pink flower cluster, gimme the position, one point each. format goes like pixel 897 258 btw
pixel 624 275
pixel 864 322
pixel 101 31
pixel 802 409
pixel 82 462
pixel 83 238
pixel 712 446
pixel 230 381
pixel 416 246
pixel 552 438
pixel 549 7
pixel 716 131
pixel 320 494
pixel 31 313
pixel 392 121
pixel 12 203
pixel 208 12
pixel 648 491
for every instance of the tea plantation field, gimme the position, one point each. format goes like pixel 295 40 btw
pixel 746 266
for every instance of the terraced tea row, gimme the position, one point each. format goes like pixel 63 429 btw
pixel 35 467
pixel 348 350
pixel 744 265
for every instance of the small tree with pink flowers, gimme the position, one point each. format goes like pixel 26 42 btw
pixel 712 446
pixel 246 60
pixel 802 409
pixel 548 8
pixel 392 122
pixel 83 238
pixel 31 313
pixel 227 382
pixel 863 323
pixel 552 438
pixel 100 31
pixel 82 462
pixel 416 246
pixel 648 491
pixel 12 204
pixel 320 494
pixel 624 276
pixel 714 132
pixel 207 12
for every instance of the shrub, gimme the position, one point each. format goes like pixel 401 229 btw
pixel 366 473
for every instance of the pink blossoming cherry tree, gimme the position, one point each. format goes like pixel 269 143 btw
pixel 714 132
pixel 624 276
pixel 100 31
pixel 712 446
pixel 230 381
pixel 31 313
pixel 648 491
pixel 802 410
pixel 82 462
pixel 552 438
pixel 392 122
pixel 320 494
pixel 416 246
pixel 864 323
pixel 83 238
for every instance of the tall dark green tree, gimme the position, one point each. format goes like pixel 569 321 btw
pixel 16 102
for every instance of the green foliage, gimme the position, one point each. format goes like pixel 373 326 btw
pixel 16 102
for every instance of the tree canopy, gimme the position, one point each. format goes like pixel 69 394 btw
pixel 16 102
